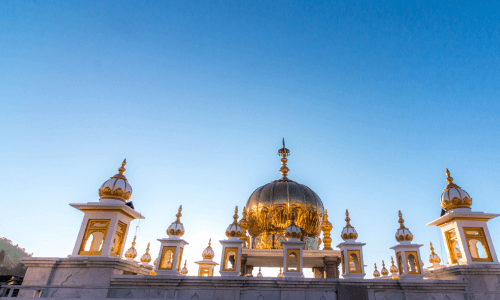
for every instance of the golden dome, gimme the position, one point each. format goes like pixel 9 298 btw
pixel 292 231
pixel 453 195
pixel 280 274
pixel 384 271
pixel 208 253
pixel 153 272
pixel 234 230
pixel 184 270
pixel 433 257
pixel 146 258
pixel 131 252
pixel 176 229
pixel 117 187
pixel 403 234
pixel 348 233
pixel 269 209
pixel 376 273
pixel 260 272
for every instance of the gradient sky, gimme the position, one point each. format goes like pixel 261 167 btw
pixel 374 100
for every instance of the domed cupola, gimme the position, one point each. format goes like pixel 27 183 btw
pixel 403 234
pixel 453 196
pixel 117 187
pixel 208 253
pixel 269 210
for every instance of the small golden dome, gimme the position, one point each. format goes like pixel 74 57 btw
pixel 208 253
pixel 176 229
pixel 234 230
pixel 117 187
pixel 280 274
pixel 260 272
pixel 434 258
pixel 348 233
pixel 384 271
pixel 293 231
pixel 403 234
pixel 131 252
pixel 153 272
pixel 184 270
pixel 393 268
pixel 453 195
pixel 146 258
pixel 376 273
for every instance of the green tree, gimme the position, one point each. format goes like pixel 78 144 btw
pixel 2 256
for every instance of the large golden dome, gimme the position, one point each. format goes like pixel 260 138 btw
pixel 270 206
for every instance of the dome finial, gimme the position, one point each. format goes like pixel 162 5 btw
pixel 403 234
pixel 348 232
pixel 433 257
pixel 208 253
pixel 122 169
pixel 394 270
pixel 176 228
pixel 284 152
pixel 146 257
pixel 235 217
pixel 450 181
pixel 326 227
pixel 131 252
pixel 234 230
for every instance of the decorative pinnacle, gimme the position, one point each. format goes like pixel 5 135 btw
pixel 209 242
pixel 401 221
pixel 133 242
pixel 284 152
pixel 122 169
pixel 347 219
pixel 235 217
pixel 179 215
pixel 392 261
pixel 147 249
pixel 383 264
pixel 375 266
pixel 185 262
pixel 432 249
pixel 450 181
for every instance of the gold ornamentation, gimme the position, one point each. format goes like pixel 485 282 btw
pixel 269 209
pixel 348 232
pixel 234 230
pixel 155 263
pixel 260 272
pixel 384 271
pixel 280 274
pixel 454 196
pixel 117 187
pixel 434 258
pixel 376 273
pixel 244 224
pixel 146 258
pixel 208 253
pixel 284 152
pixel 95 233
pixel 393 268
pixel 326 226
pixel 403 233
pixel 184 270
pixel 131 252
pixel 293 231
pixel 176 228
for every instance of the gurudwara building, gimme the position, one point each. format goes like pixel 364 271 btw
pixel 280 226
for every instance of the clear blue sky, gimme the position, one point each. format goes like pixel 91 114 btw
pixel 375 100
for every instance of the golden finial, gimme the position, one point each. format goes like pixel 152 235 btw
pixel 176 228
pixel 403 233
pixel 348 232
pixel 146 257
pixel 281 274
pixel 131 252
pixel 184 270
pixel 122 169
pixel 376 273
pixel 394 270
pixel 326 227
pixel 384 271
pixel 347 219
pixel 449 179
pixel 179 215
pixel 433 257
pixel 284 152
pixel 260 272
pixel 235 217
pixel 210 242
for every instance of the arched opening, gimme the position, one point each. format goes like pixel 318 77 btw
pixel 231 260
pixel 168 260
pixel 94 241
pixel 413 264
pixel 293 263
pixel 353 263
pixel 400 263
